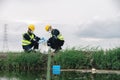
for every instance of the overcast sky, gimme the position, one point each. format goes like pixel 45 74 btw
pixel 58 11
pixel 83 22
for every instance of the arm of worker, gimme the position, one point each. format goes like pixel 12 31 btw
pixel 37 38
pixel 49 41
pixel 27 37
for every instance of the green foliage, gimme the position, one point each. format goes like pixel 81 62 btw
pixel 67 59
pixel 98 59
pixel 72 59
pixel 25 60
pixel 113 58
pixel 86 59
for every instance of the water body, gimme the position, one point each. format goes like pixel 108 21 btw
pixel 85 76
pixel 39 75
pixel 21 75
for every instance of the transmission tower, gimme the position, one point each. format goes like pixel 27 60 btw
pixel 5 38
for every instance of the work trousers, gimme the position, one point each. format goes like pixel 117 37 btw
pixel 33 45
pixel 55 43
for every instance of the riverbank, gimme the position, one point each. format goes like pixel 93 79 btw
pixel 67 59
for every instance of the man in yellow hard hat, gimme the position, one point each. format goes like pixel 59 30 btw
pixel 56 39
pixel 30 40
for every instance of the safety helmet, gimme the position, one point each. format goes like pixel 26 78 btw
pixel 31 27
pixel 47 27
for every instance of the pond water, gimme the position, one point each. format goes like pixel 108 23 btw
pixel 85 76
pixel 40 75
pixel 21 75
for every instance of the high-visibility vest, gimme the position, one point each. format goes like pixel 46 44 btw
pixel 26 42
pixel 60 37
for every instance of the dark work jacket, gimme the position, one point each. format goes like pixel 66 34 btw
pixel 27 37
pixel 53 41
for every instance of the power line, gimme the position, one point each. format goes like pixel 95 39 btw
pixel 5 38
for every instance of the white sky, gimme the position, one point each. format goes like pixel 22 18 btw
pixel 57 11
pixel 82 22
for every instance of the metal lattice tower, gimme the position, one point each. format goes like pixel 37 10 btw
pixel 5 38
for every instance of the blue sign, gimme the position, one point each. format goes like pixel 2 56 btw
pixel 56 69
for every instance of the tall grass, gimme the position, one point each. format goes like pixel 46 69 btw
pixel 67 59
pixel 24 61
pixel 86 59
pixel 72 59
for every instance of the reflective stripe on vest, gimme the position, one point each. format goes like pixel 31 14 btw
pixel 60 37
pixel 26 42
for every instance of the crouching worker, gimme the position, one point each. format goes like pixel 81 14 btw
pixel 30 40
pixel 56 40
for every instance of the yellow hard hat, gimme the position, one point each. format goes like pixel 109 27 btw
pixel 47 27
pixel 31 27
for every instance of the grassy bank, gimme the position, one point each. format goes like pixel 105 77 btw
pixel 68 59
pixel 23 61
pixel 87 59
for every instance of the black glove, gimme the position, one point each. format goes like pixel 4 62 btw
pixel 53 38
pixel 37 39
pixel 33 41
pixel 48 44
